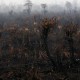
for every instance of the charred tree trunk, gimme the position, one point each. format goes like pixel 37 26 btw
pixel 71 48
pixel 45 37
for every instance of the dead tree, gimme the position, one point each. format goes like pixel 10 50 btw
pixel 44 6
pixel 70 30
pixel 46 25
pixel 28 5
pixel 69 6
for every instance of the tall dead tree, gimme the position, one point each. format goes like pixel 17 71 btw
pixel 69 10
pixel 46 25
pixel 44 6
pixel 69 6
pixel 75 5
pixel 70 30
pixel 28 5
pixel 76 15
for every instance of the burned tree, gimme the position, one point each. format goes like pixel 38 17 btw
pixel 70 31
pixel 44 6
pixel 28 5
pixel 69 5
pixel 46 25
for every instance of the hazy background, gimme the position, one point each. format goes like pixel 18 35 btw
pixel 17 11
pixel 17 2
pixel 18 5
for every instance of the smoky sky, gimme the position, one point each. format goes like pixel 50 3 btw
pixel 16 2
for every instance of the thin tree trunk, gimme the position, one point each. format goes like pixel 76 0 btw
pixel 45 36
pixel 71 49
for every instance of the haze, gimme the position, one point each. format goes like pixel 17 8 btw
pixel 17 2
